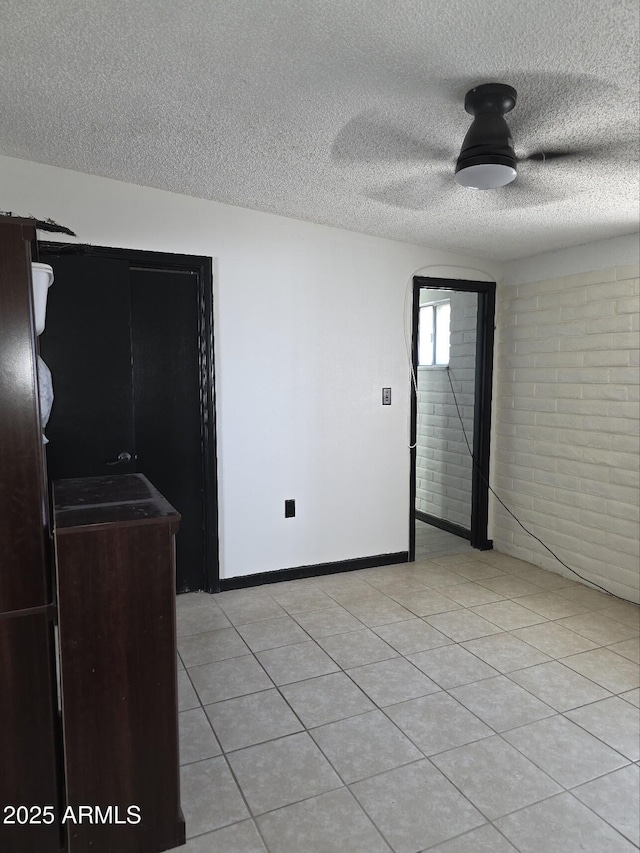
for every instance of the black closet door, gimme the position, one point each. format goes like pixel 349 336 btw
pixel 87 346
pixel 166 390
pixel 122 345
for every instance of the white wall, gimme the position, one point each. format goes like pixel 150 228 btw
pixel 565 442
pixel 309 328
pixel 443 464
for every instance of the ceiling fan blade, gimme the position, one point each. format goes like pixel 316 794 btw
pixel 529 192
pixel 418 193
pixel 368 138
pixel 543 156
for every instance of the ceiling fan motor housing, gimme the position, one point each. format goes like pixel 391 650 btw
pixel 488 142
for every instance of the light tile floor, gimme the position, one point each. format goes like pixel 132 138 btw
pixel 467 703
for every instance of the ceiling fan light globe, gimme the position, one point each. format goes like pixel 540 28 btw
pixel 485 176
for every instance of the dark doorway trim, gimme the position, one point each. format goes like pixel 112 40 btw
pixel 202 268
pixel 486 290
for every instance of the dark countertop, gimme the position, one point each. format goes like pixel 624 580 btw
pixel 123 499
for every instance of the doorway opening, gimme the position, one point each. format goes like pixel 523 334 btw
pixel 452 363
pixel 129 342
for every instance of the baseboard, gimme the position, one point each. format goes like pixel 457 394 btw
pixel 449 526
pixel 313 571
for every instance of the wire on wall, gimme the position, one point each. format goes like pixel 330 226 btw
pixel 512 514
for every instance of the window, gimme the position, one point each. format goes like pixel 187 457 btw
pixel 433 334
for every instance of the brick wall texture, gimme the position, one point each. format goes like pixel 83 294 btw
pixel 443 463
pixel 566 440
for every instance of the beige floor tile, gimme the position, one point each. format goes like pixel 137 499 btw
pixel 607 669
pixel 187 696
pixel 200 619
pixel 614 721
pixel 211 646
pixel 350 590
pixel 510 586
pixel 303 599
pixel 438 577
pixel 500 703
pixel 392 681
pixel 477 571
pixel 453 560
pixel 378 612
pixel 451 666
pixel 559 686
pixel 357 648
pixel 486 839
pixel 554 640
pixel 616 798
pixel 228 678
pixel 296 663
pixel 281 772
pixel 508 615
pixel 247 608
pixel 505 562
pixel 438 811
pixel 412 636
pixel 425 602
pixel 252 719
pixel 472 594
pixel 544 579
pixel 210 797
pixel 197 741
pixel 303 804
pixel 622 611
pixel 505 652
pixel 238 838
pixel 326 699
pixel 591 598
pixel 564 825
pixel 632 696
pixel 364 746
pixel 485 772
pixel 566 752
pixel 462 625
pixel 551 605
pixel 329 621
pixel 437 722
pixel 599 628
pixel 330 822
pixel 628 649
pixel 272 633
pixel 403 584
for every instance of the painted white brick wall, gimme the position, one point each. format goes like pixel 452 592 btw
pixel 566 441
pixel 443 464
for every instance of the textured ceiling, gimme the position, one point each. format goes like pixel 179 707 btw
pixel 344 112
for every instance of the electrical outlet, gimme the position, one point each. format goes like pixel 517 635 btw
pixel 386 396
pixel 289 509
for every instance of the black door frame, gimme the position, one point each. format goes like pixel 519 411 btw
pixel 485 327
pixel 202 267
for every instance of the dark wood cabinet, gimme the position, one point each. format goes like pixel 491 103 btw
pixel 29 717
pixel 116 601
pixel 113 743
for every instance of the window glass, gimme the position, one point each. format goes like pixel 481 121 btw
pixel 434 334
pixel 443 317
pixel 425 335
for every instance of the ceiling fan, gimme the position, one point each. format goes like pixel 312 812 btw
pixel 401 167
pixel 487 159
